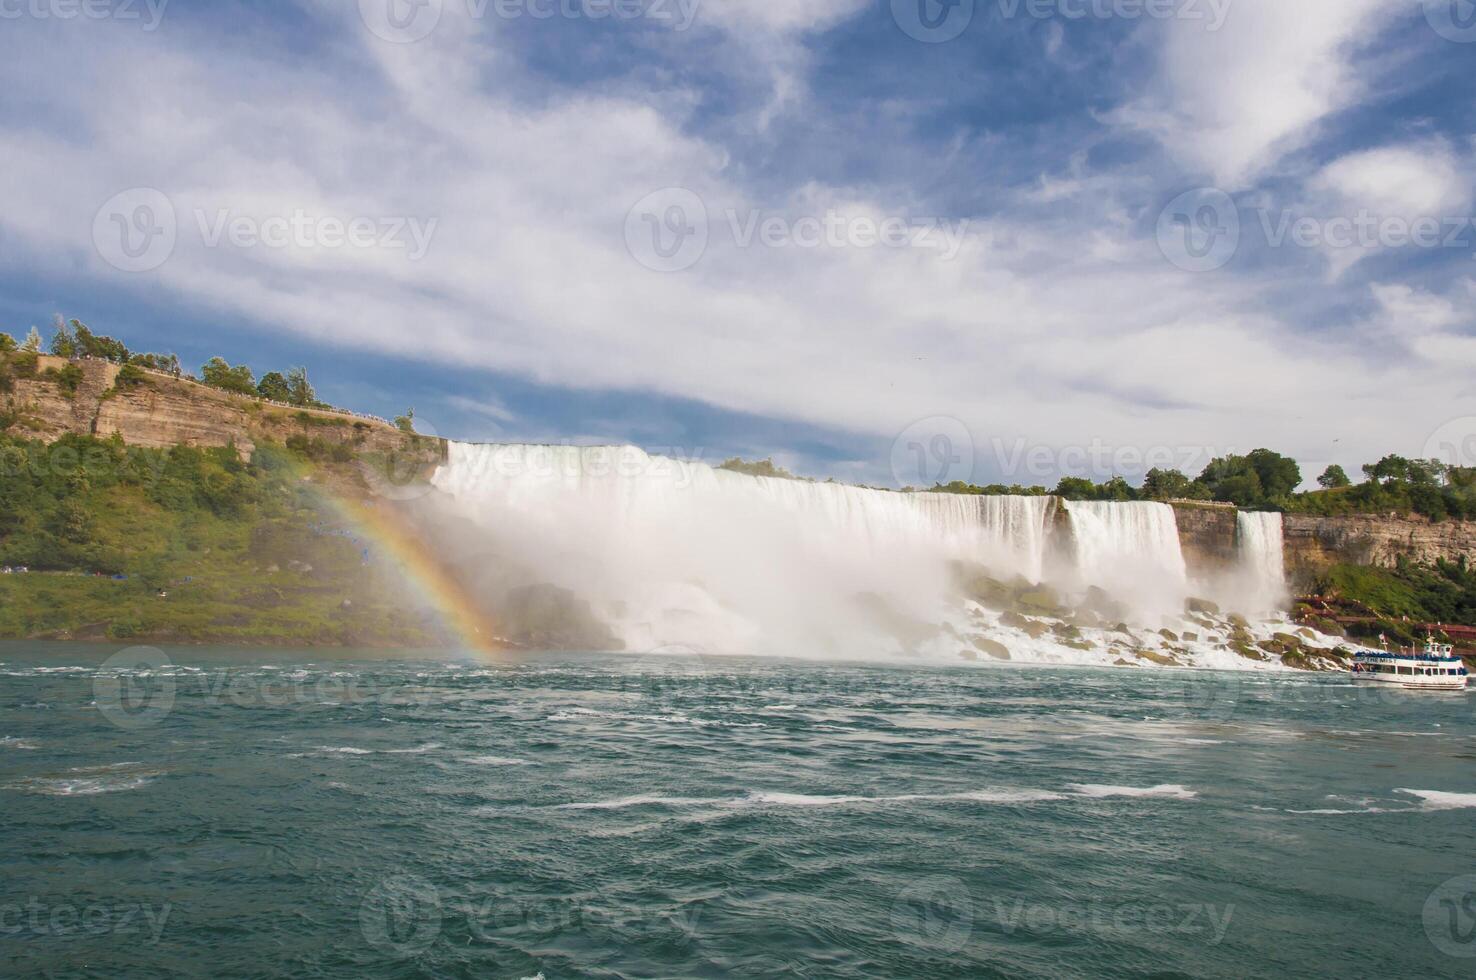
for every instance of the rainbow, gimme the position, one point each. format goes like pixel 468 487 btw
pixel 423 569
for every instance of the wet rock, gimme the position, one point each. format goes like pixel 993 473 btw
pixel 1202 606
pixel 1169 635
pixel 996 650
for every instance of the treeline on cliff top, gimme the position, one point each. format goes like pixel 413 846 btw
pixel 1266 480
pixel 1260 480
pixel 73 339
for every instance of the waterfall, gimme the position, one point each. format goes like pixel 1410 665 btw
pixel 672 551
pixel 1130 549
pixel 1262 559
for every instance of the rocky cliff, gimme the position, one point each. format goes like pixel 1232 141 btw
pixel 1207 533
pixel 1315 543
pixel 1207 536
pixel 163 411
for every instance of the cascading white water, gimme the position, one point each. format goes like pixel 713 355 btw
pixel 672 556
pixel 1130 549
pixel 1260 543
pixel 677 552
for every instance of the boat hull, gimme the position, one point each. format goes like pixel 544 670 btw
pixel 1413 683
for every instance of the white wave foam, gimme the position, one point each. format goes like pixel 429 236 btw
pixel 631 801
pixel 14 742
pixel 1437 800
pixel 1166 791
pixel 771 798
pixel 344 750
pixel 495 760
pixel 88 780
pixel 418 750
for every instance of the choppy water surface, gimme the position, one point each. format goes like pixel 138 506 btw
pixel 230 813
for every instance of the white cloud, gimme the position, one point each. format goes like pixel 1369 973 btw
pixel 1059 325
pixel 1232 102
pixel 1409 181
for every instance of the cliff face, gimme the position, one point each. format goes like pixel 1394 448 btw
pixel 1207 536
pixel 166 411
pixel 1314 543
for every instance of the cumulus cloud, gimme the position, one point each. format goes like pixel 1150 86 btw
pixel 1230 103
pixel 1055 319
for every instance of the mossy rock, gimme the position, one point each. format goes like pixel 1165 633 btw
pixel 1041 600
pixel 1327 627
pixel 1307 634
pixel 1248 652
pixel 1235 619
pixel 1189 637
pixel 1297 661
pixel 1275 647
pixel 1288 640
pixel 1013 620
pixel 987 591
pixel 1078 645
pixel 996 650
pixel 1169 635
pixel 1035 629
pixel 1119 662
pixel 1100 603
pixel 1201 606
pixel 1158 658
pixel 1067 631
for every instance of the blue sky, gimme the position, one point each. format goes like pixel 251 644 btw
pixel 1115 239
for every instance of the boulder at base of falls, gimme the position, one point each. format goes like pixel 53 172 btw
pixel 1041 600
pixel 1202 606
pixel 996 650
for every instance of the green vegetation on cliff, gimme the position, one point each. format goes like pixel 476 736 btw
pixel 188 545
pixel 1399 599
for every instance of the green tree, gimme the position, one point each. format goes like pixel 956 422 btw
pixel 90 344
pixel 63 344
pixel 33 342
pixel 218 374
pixel 1280 475
pixel 274 386
pixel 7 343
pixel 1076 488
pixel 1334 478
pixel 1172 485
pixel 299 391
pixel 406 423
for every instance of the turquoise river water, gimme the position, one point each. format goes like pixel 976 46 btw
pixel 232 813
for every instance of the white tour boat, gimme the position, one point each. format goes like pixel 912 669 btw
pixel 1437 668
